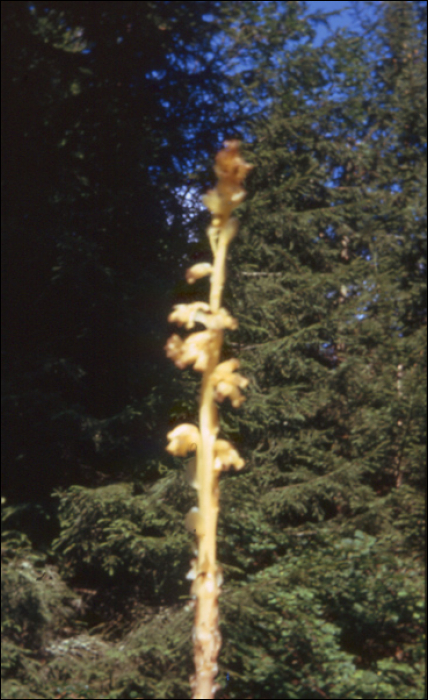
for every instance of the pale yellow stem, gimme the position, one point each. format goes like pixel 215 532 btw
pixel 207 638
pixel 203 349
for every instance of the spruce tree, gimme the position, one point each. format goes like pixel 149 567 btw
pixel 332 266
pixel 321 535
pixel 103 111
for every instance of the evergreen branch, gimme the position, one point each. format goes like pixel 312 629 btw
pixel 263 274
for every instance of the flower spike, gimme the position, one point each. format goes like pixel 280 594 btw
pixel 220 380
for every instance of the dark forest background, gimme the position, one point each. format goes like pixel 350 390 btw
pixel 111 117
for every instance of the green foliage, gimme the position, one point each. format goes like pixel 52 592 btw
pixel 36 605
pixel 118 536
pixel 332 269
pixel 92 225
pixel 322 536
pixel 298 630
pixel 131 550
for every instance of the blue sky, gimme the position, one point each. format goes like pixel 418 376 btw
pixel 330 6
pixel 345 18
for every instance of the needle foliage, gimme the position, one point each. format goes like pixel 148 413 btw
pixel 321 534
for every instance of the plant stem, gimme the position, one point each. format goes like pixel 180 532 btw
pixel 206 633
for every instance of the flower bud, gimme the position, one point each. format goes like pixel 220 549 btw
pixel 183 439
pixel 226 456
pixel 198 271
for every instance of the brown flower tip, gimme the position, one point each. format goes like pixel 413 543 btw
pixel 229 164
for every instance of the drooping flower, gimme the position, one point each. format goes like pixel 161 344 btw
pixel 198 271
pixel 228 383
pixel 231 169
pixel 221 319
pixel 185 314
pixel 229 164
pixel 225 456
pixel 225 368
pixel 199 312
pixel 194 350
pixel 183 438
pixel 173 349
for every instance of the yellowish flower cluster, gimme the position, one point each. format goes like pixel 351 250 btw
pixel 220 380
pixel 183 439
pixel 228 384
pixel 195 350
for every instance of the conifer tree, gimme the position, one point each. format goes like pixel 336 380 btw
pixel 320 536
pixel 104 109
pixel 332 267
